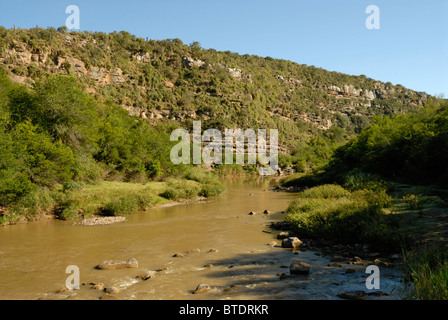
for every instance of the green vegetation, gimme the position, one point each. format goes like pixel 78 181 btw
pixel 428 272
pixel 334 213
pixel 173 81
pixel 367 201
pixel 59 144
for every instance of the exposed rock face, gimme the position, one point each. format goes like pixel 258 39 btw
pixel 353 98
pixel 118 264
pixel 190 62
pixel 142 57
pixel 104 76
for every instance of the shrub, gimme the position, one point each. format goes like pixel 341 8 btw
pixel 124 205
pixel 334 213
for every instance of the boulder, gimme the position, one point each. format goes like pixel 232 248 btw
pixel 111 290
pixel 283 235
pixel 291 242
pixel 146 275
pixel 118 264
pixel 300 268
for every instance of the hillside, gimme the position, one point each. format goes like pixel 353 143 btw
pixel 168 81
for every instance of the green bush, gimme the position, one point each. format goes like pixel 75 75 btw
pixel 124 205
pixel 333 213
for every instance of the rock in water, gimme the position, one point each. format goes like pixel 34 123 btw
pixel 283 235
pixel 291 242
pixel 301 268
pixel 146 275
pixel 202 288
pixel 118 264
pixel 353 295
pixel 111 290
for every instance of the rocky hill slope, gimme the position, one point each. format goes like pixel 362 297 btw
pixel 168 81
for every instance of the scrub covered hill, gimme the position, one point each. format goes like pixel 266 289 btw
pixel 170 82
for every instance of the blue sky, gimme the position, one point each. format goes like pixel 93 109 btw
pixel 410 48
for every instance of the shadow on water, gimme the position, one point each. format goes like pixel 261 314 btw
pixel 267 276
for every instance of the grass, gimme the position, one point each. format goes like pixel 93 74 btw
pixel 397 217
pixel 427 270
pixel 74 200
pixel 334 213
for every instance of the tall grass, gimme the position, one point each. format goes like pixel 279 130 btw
pixel 428 271
pixel 332 212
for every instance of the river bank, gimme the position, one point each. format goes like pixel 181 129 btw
pixel 173 245
pixel 77 201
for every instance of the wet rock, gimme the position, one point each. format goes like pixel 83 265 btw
pixel 118 264
pixel 299 268
pixel 335 265
pixel 350 270
pixel 208 265
pixel 202 288
pixel 281 275
pixel 111 290
pixel 353 295
pixel 291 242
pixel 267 212
pixel 281 225
pixel 377 293
pixel 146 275
pixel 252 213
pixel 98 286
pixel 273 244
pixel 283 235
pixel 178 255
pixel 63 289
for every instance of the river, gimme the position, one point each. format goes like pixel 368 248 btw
pixel 34 256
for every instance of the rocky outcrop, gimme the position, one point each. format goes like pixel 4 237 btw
pixel 191 63
pixel 142 57
pixel 105 77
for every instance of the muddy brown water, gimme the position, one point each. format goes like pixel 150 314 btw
pixel 34 256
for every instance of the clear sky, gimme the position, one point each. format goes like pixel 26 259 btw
pixel 410 48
